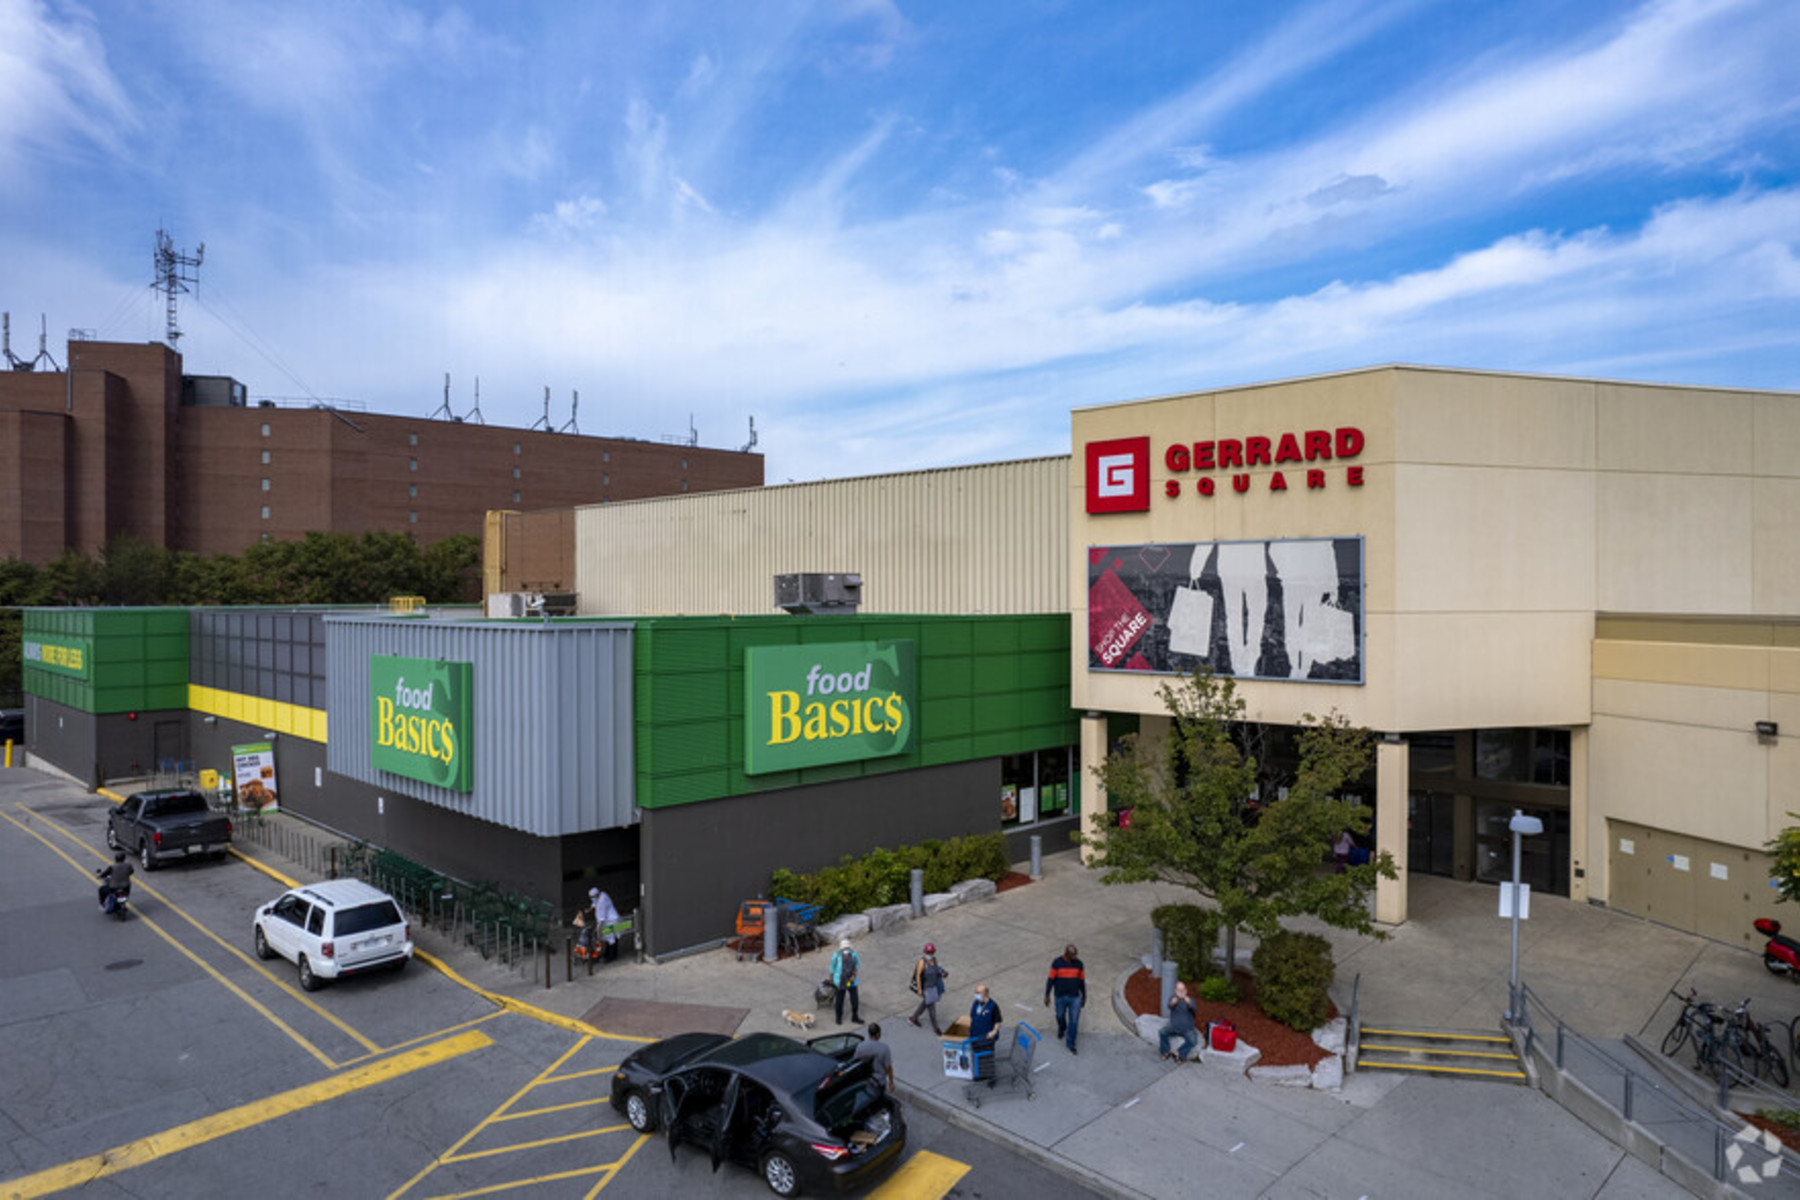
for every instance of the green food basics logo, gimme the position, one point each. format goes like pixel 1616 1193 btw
pixel 812 705
pixel 422 713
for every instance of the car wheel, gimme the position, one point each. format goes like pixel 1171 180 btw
pixel 263 949
pixel 145 857
pixel 639 1112
pixel 112 837
pixel 778 1172
pixel 308 981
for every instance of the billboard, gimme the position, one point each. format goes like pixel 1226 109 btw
pixel 423 716
pixel 805 706
pixel 1279 609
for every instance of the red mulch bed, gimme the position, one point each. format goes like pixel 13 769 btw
pixel 1790 1137
pixel 1011 880
pixel 1280 1046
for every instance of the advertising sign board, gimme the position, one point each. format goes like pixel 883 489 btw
pixel 423 715
pixel 806 706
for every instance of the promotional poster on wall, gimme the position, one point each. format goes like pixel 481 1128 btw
pixel 1289 609
pixel 253 773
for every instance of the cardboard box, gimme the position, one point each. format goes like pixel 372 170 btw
pixel 960 1059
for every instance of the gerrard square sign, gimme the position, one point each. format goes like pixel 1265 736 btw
pixel 1118 469
pixel 423 712
pixel 807 706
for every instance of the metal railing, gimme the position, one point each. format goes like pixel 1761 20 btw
pixel 1353 1027
pixel 1663 1112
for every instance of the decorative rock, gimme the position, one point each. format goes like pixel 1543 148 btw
pixel 1239 1059
pixel 939 901
pixel 1149 1026
pixel 1294 1076
pixel 1328 1075
pixel 974 889
pixel 893 914
pixel 1330 1036
pixel 847 926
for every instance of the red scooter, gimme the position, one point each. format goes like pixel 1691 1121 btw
pixel 1782 954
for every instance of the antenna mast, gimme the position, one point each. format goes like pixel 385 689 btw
pixel 445 406
pixel 172 276
pixel 475 413
pixel 574 404
pixel 545 419
pixel 750 445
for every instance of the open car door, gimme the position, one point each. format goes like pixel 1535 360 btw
pixel 677 1095
pixel 728 1119
pixel 835 1045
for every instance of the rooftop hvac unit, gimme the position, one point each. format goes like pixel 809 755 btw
pixel 501 605
pixel 818 593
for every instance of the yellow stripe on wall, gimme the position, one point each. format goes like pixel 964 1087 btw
pixel 289 720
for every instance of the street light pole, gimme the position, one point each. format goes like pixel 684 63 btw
pixel 1521 826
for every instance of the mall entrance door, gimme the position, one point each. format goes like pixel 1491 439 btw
pixel 1431 833
pixel 1543 858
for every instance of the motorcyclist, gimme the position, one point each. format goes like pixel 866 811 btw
pixel 116 877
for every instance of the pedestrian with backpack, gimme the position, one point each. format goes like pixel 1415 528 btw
pixel 928 981
pixel 845 965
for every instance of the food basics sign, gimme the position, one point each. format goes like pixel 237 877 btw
pixel 806 706
pixel 423 715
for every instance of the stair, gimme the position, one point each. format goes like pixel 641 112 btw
pixel 1463 1054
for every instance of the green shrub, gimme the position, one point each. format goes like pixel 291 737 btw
pixel 1293 979
pixel 1189 934
pixel 883 876
pixel 1787 1118
pixel 1218 989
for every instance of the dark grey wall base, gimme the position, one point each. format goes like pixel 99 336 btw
pixel 1058 838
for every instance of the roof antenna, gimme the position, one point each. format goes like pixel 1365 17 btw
pixel 172 280
pixel 474 414
pixel 17 364
pixel 750 445
pixel 545 419
pixel 574 404
pixel 445 406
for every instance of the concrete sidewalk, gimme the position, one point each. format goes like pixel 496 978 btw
pixel 1120 1120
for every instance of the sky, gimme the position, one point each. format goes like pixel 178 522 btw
pixel 901 235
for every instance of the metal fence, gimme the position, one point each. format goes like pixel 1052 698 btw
pixel 1666 1113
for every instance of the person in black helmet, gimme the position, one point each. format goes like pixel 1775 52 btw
pixel 928 982
pixel 117 876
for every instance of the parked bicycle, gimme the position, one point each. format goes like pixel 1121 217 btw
pixel 1716 1052
pixel 1757 1045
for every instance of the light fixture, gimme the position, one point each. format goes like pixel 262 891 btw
pixel 270 736
pixel 209 720
pixel 1767 731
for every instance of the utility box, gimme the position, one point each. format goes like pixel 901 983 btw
pixel 816 593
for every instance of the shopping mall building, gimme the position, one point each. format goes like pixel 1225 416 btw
pixel 1571 597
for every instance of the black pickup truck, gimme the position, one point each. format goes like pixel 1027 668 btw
pixel 163 825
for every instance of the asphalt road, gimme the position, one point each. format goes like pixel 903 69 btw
pixel 159 1058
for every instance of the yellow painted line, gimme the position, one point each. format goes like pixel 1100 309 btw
pixel 1436 1070
pixel 229 986
pixel 924 1176
pixel 608 1169
pixel 554 1108
pixel 519 1006
pixel 581 1075
pixel 518 1146
pixel 1459 1037
pixel 235 1120
pixel 1432 1050
pixel 294 993
pixel 616 1167
pixel 464 1140
pixel 425 1037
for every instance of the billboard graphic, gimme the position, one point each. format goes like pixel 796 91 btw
pixel 253 777
pixel 1287 609
pixel 424 716
pixel 805 706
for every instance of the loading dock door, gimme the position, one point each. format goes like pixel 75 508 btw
pixel 1704 887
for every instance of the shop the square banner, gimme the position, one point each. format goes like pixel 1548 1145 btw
pixel 805 706
pixel 1254 610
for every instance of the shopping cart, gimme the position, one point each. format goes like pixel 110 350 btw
pixel 1011 1067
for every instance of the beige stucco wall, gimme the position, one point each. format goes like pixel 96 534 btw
pixel 988 538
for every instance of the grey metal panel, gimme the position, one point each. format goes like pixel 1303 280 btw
pixel 553 719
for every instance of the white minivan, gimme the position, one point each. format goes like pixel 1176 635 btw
pixel 328 930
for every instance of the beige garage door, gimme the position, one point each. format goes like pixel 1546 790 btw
pixel 1690 883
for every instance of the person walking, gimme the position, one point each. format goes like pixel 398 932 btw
pixel 1068 984
pixel 872 1047
pixel 928 982
pixel 845 965
pixel 605 913
pixel 1181 1025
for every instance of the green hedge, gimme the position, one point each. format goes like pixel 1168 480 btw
pixel 1293 979
pixel 1190 933
pixel 884 877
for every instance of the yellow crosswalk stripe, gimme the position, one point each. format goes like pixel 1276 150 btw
pixel 924 1176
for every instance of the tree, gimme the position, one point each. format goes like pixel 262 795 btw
pixel 1194 823
pixel 1784 871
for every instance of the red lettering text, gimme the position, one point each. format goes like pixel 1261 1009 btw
pixel 1349 441
pixel 1203 456
pixel 1353 476
pixel 1240 483
pixel 1318 444
pixel 1231 452
pixel 1277 483
pixel 1172 488
pixel 1204 487
pixel 1176 458
pixel 1315 478
pixel 1289 450
pixel 1256 451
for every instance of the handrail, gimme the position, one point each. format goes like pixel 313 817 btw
pixel 1353 1028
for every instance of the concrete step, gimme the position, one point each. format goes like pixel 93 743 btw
pixel 1469 1054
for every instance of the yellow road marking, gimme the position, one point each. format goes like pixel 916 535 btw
pixel 293 992
pixel 554 1108
pixel 581 1075
pixel 519 1006
pixel 616 1167
pixel 234 1120
pixel 518 1146
pixel 464 1140
pixel 924 1176
pixel 425 1037
pixel 170 938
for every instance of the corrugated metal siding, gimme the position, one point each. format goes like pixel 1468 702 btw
pixel 553 717
pixel 992 538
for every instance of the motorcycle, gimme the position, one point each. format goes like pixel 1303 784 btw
pixel 114 900
pixel 1782 954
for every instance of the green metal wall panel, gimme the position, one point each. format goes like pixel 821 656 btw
pixel 137 658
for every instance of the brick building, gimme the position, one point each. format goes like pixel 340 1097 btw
pixel 122 444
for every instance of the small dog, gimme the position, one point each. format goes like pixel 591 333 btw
pixel 799 1020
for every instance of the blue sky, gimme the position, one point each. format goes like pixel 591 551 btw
pixel 901 234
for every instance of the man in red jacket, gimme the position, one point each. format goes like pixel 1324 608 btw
pixel 1068 984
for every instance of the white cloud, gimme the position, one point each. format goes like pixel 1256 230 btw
pixel 57 92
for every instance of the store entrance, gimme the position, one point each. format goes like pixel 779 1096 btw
pixel 1543 859
pixel 1431 833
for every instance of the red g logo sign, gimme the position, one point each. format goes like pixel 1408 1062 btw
pixel 1118 475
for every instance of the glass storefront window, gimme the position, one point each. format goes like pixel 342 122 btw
pixel 1038 786
pixel 1523 756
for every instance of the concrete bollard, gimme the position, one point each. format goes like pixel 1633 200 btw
pixel 918 892
pixel 1156 952
pixel 1037 856
pixel 1168 983
pixel 771 932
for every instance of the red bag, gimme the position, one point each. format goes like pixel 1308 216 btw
pixel 1224 1035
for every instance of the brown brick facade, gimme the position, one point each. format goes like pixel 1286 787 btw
pixel 106 449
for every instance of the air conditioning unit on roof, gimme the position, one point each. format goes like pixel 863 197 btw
pixel 818 593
